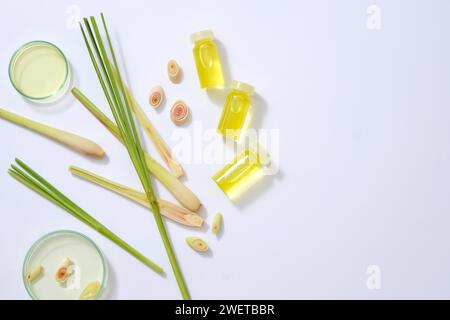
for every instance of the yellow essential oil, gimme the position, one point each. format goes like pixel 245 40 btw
pixel 235 111
pixel 40 72
pixel 243 172
pixel 207 60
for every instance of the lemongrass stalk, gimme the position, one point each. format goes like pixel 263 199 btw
pixel 73 141
pixel 168 209
pixel 180 191
pixel 27 176
pixel 160 145
pixel 114 91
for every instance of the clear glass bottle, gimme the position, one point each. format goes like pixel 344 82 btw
pixel 207 60
pixel 235 111
pixel 243 172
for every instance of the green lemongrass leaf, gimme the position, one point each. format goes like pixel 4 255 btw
pixel 180 191
pixel 170 210
pixel 73 141
pixel 37 183
pixel 121 109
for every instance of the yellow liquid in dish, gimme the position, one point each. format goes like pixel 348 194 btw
pixel 238 176
pixel 234 114
pixel 88 265
pixel 39 71
pixel 208 65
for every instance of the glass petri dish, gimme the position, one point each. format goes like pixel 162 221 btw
pixel 88 264
pixel 39 71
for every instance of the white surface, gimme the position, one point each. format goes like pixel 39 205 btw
pixel 364 155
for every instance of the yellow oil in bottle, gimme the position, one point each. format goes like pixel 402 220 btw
pixel 235 110
pixel 207 60
pixel 239 175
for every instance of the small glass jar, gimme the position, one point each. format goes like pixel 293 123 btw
pixel 89 265
pixel 236 177
pixel 207 60
pixel 39 71
pixel 235 111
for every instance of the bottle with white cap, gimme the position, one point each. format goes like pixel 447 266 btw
pixel 236 109
pixel 207 60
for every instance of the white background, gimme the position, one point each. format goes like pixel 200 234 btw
pixel 364 147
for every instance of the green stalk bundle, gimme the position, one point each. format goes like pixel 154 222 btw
pixel 119 102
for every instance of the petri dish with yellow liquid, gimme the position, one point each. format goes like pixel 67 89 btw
pixel 39 71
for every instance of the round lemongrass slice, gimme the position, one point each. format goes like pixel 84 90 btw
pixel 179 112
pixel 156 96
pixel 174 71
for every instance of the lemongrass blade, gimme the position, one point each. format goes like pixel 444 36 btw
pixel 168 209
pixel 160 145
pixel 73 141
pixel 180 191
pixel 37 183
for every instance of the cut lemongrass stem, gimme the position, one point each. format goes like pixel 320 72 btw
pixel 180 191
pixel 160 145
pixel 169 210
pixel 71 140
pixel 27 176
pixel 114 91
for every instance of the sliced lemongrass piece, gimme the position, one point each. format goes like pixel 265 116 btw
pixel 217 223
pixel 90 291
pixel 197 244
pixel 64 271
pixel 174 71
pixel 179 112
pixel 71 140
pixel 169 210
pixel 182 193
pixel 160 145
pixel 156 96
pixel 193 219
pixel 34 273
pixel 31 179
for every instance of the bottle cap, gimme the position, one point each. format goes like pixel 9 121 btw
pixel 242 86
pixel 202 35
